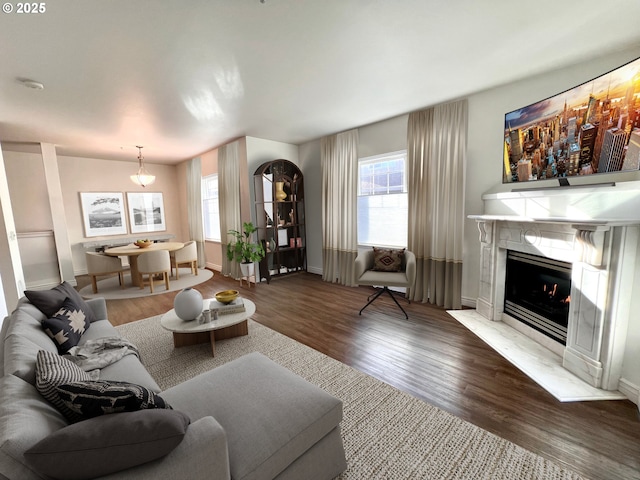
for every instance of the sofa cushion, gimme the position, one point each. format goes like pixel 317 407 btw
pixel 25 419
pixel 66 325
pixel 99 329
pixel 53 370
pixel 49 301
pixel 129 369
pixel 108 444
pixel 387 259
pixel 270 415
pixel 94 398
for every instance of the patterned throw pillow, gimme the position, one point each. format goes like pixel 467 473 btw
pixel 66 326
pixel 102 397
pixel 387 259
pixel 49 301
pixel 53 370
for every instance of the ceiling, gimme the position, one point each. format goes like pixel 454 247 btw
pixel 181 77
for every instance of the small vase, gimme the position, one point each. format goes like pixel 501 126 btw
pixel 281 195
pixel 188 304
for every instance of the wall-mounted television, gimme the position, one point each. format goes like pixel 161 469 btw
pixel 592 128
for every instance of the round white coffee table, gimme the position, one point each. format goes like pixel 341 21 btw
pixel 229 325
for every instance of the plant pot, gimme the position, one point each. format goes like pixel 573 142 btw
pixel 280 194
pixel 248 269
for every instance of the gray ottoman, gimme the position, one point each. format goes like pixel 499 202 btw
pixel 277 424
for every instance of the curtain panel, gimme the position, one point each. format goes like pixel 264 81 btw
pixel 436 158
pixel 194 207
pixel 229 200
pixel 339 164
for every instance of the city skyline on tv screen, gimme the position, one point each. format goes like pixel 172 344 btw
pixel 592 128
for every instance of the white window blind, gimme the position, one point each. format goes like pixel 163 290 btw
pixel 211 208
pixel 383 200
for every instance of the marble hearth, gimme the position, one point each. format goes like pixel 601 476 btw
pixel 597 230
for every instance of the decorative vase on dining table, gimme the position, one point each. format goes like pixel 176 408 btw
pixel 188 304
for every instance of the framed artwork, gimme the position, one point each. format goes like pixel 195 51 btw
pixel 146 212
pixel 103 213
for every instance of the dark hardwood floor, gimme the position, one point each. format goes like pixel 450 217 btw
pixel 436 359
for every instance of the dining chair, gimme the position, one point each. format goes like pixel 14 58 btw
pixel 156 262
pixel 100 265
pixel 187 255
pixel 384 267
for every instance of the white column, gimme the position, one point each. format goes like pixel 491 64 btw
pixel 56 202
pixel 13 284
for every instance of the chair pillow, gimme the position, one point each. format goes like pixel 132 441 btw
pixel 53 370
pixel 108 444
pixel 94 398
pixel 49 301
pixel 66 326
pixel 387 259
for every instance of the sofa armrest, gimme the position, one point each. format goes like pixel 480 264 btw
pixel 99 307
pixel 201 454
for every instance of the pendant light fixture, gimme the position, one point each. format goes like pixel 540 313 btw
pixel 142 178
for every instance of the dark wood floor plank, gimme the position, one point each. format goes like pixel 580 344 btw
pixel 434 358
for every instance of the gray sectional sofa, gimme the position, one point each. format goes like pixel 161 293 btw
pixel 248 419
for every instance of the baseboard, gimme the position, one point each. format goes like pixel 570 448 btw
pixel 468 302
pixel 213 266
pixel 316 270
pixel 631 390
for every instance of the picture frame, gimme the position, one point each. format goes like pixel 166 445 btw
pixel 103 213
pixel 146 212
pixel 283 237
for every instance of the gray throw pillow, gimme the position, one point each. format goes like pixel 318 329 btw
pixel 53 370
pixel 49 301
pixel 108 444
pixel 102 397
pixel 66 326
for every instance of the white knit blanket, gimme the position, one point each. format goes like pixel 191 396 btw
pixel 101 352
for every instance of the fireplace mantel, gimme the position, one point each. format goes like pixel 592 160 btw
pixel 597 229
pixel 610 204
pixel 578 222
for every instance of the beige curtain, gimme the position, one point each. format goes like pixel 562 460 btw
pixel 339 163
pixel 194 207
pixel 229 199
pixel 436 157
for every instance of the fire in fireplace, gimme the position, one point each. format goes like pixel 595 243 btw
pixel 538 293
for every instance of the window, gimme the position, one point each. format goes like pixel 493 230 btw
pixel 382 200
pixel 211 208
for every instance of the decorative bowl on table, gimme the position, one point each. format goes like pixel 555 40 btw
pixel 227 296
pixel 143 243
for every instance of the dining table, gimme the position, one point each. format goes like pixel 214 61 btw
pixel 132 251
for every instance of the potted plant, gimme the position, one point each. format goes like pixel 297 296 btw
pixel 243 250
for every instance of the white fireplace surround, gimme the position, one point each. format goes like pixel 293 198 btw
pixel 597 230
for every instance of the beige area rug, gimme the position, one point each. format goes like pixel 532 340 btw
pixel 109 288
pixel 387 433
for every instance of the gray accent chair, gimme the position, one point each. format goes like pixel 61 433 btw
pixel 365 275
